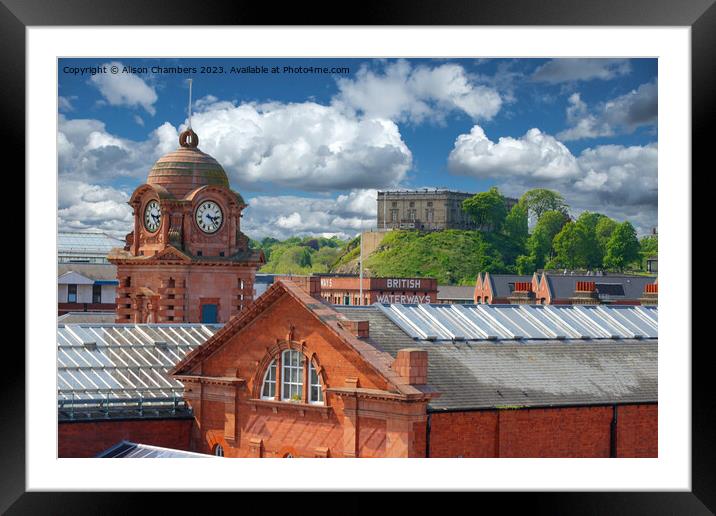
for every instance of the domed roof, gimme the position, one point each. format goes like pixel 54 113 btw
pixel 187 168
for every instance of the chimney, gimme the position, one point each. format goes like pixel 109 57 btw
pixel 360 329
pixel 411 364
pixel 651 295
pixel 311 284
pixel 585 293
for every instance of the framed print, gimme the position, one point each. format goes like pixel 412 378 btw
pixel 253 184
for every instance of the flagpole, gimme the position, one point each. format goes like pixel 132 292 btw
pixel 361 262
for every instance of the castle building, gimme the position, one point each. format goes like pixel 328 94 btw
pixel 426 210
pixel 187 259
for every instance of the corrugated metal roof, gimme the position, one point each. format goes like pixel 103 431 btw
pixel 130 450
pixel 116 366
pixel 485 374
pixel 516 322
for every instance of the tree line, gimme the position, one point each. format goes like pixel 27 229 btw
pixel 592 241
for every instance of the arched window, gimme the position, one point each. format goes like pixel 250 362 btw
pixel 315 393
pixel 292 375
pixel 219 450
pixel 295 383
pixel 269 386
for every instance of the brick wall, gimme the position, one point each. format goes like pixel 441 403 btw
pixel 549 432
pixel 637 432
pixel 466 434
pixel 88 438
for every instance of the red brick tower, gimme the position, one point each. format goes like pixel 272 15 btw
pixel 187 259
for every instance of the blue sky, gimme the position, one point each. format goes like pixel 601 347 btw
pixel 309 150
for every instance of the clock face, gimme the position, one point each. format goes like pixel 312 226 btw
pixel 152 216
pixel 209 217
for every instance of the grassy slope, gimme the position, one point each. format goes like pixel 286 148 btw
pixel 452 256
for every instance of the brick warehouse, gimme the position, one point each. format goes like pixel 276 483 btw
pixel 382 380
pixel 294 376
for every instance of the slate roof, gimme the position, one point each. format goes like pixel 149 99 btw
pixel 130 450
pixel 525 373
pixel 562 286
pixel 453 292
pixel 91 271
pixel 501 283
pixel 87 317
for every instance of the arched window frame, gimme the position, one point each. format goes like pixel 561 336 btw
pixel 312 393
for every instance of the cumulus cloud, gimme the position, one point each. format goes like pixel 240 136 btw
pixel 571 70
pixel 125 89
pixel 404 93
pixel 83 206
pixel 623 114
pixel 307 146
pixel 88 152
pixel 617 180
pixel 535 155
pixel 289 215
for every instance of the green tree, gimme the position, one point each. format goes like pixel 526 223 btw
pixel 622 248
pixel 487 209
pixel 604 230
pixel 539 244
pixel 573 247
pixel 648 246
pixel 593 253
pixel 516 227
pixel 540 200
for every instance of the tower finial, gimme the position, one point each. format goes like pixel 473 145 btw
pixel 190 103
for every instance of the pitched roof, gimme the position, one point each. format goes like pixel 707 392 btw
pixel 632 287
pixel 503 284
pixel 122 365
pixel 525 373
pixel 378 360
pixel 93 271
pixel 130 450
pixel 453 292
pixel 87 317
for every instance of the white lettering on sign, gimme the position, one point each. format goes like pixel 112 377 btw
pixel 326 282
pixel 403 283
pixel 403 300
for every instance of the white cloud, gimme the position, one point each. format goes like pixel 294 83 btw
pixel 65 103
pixel 570 70
pixel 535 155
pixel 289 215
pixel 89 206
pixel 623 114
pixel 616 180
pixel 125 89
pixel 306 146
pixel 138 120
pixel 88 152
pixel 404 93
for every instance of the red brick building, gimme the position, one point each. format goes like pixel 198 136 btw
pixel 187 259
pixel 295 376
pixel 345 290
pixel 550 288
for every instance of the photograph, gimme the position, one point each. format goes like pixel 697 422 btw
pixel 359 257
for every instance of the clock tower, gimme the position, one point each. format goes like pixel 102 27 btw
pixel 186 259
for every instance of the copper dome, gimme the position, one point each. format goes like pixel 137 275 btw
pixel 187 168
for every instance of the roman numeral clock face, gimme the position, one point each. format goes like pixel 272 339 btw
pixel 152 216
pixel 209 217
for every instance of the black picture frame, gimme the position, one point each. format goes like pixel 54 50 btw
pixel 700 15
